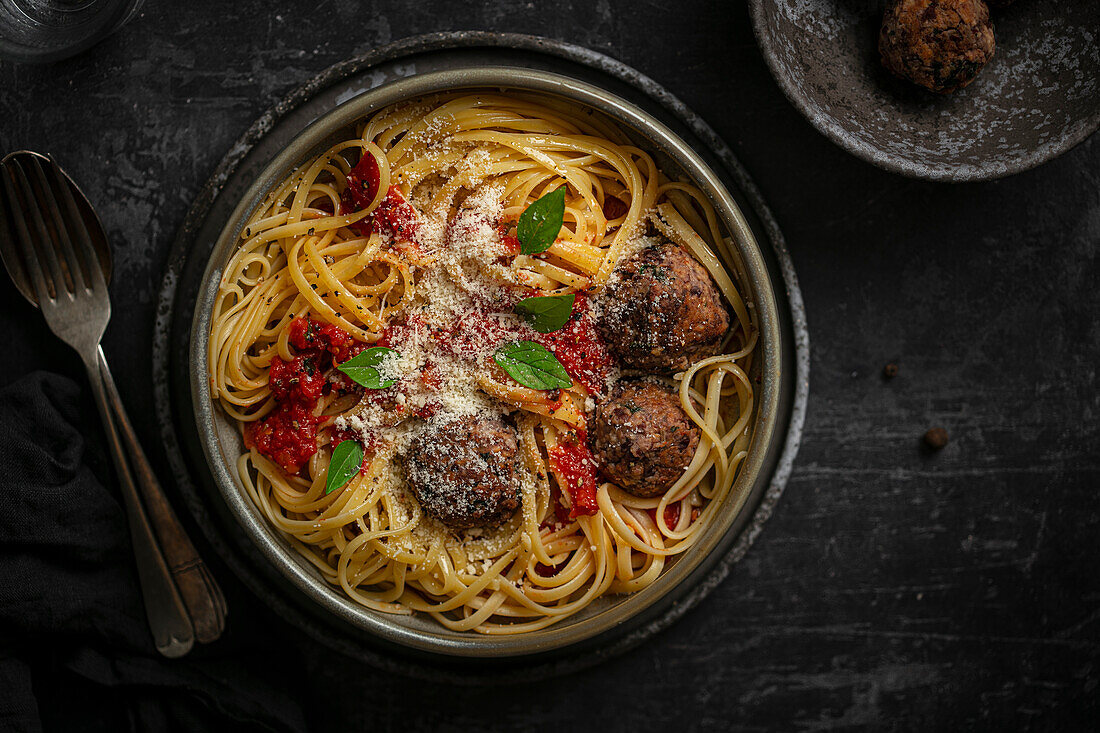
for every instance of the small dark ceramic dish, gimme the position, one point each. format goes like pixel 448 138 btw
pixel 1037 98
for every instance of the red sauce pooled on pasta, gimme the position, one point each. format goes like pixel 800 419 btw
pixel 288 434
pixel 580 349
pixel 672 515
pixel 394 216
pixel 572 462
pixel 509 242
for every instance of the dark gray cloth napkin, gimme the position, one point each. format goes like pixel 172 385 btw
pixel 75 648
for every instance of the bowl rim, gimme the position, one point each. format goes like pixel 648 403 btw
pixel 828 126
pixel 271 543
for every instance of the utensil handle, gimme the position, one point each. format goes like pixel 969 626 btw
pixel 200 592
pixel 173 634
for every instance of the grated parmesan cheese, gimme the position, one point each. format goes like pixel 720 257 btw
pixel 444 341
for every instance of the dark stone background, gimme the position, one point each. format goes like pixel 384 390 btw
pixel 893 588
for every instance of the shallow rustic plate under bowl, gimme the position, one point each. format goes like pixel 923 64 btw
pixel 221 440
pixel 1037 98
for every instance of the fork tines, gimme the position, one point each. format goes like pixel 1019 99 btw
pixel 43 224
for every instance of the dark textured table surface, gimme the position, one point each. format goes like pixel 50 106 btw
pixel 894 587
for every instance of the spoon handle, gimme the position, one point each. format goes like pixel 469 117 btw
pixel 201 593
pixel 173 633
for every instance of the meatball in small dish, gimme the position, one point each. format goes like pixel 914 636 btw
pixel 939 44
pixel 641 437
pixel 661 311
pixel 465 473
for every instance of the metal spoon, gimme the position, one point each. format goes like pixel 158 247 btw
pixel 183 601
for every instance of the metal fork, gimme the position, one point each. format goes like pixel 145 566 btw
pixel 72 294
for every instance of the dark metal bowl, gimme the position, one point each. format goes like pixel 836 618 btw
pixel 221 440
pixel 1037 98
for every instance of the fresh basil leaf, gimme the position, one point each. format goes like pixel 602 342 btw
pixel 532 365
pixel 346 461
pixel 546 313
pixel 363 368
pixel 540 222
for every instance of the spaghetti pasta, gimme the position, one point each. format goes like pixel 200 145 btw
pixel 401 241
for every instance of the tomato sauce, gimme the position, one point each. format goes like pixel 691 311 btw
pixel 509 242
pixel 288 434
pixel 510 245
pixel 573 463
pixel 580 349
pixel 298 380
pixel 394 215
pixel 305 334
pixel 672 515
pixel 363 181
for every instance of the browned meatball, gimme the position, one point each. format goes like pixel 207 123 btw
pixel 661 311
pixel 641 438
pixel 464 473
pixel 938 44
